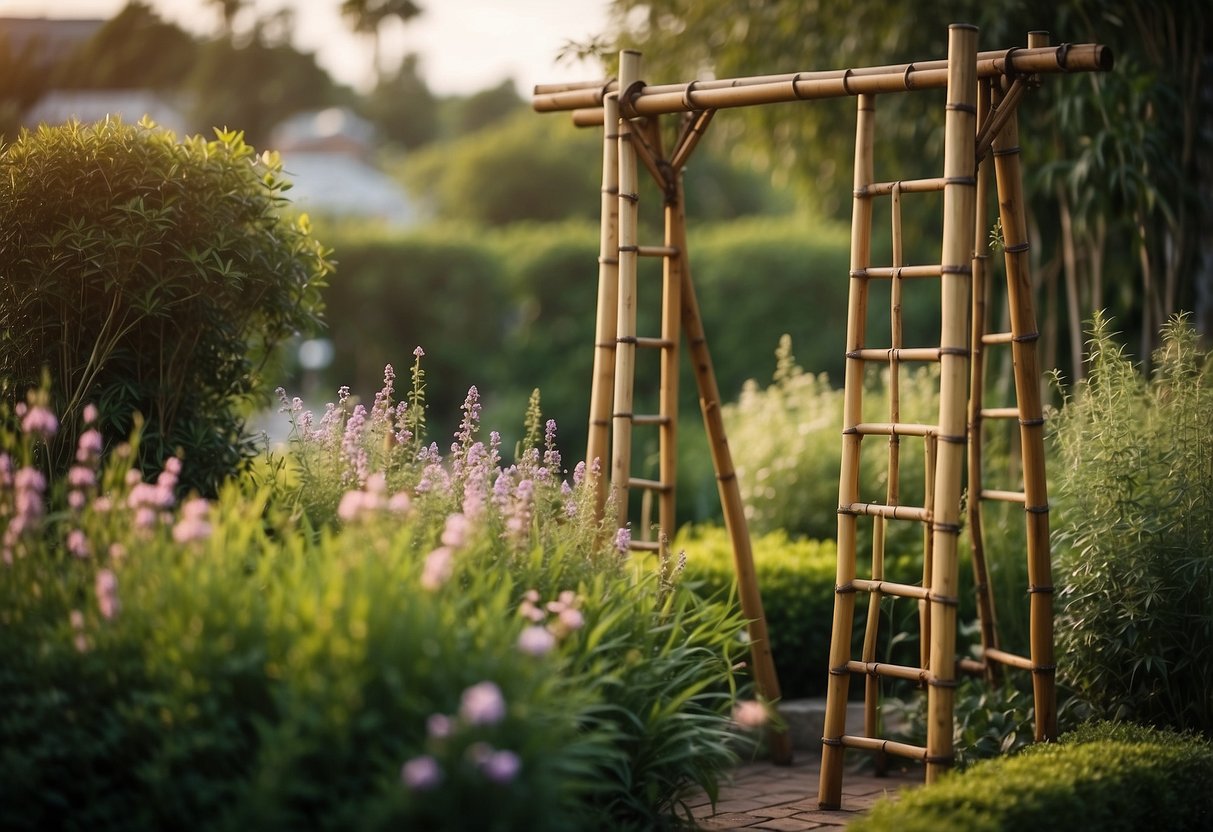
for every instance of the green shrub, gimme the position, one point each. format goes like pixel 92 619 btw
pixel 1135 534
pixel 1101 777
pixel 463 626
pixel 152 276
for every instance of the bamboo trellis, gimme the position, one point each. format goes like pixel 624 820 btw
pixel 984 90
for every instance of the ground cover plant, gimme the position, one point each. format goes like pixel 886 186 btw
pixel 453 643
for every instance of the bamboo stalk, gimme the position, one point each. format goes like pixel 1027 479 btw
pixel 958 230
pixel 625 325
pixel 603 382
pixel 1031 420
pixel 799 86
pixel 981 256
pixel 765 677
pixel 671 333
pixel 829 795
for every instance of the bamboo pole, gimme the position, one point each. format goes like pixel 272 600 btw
pixel 829 795
pixel 800 86
pixel 671 335
pixel 625 326
pixel 765 678
pixel 603 383
pixel 956 259
pixel 1031 420
pixel 981 256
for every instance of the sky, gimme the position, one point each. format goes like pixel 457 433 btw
pixel 465 45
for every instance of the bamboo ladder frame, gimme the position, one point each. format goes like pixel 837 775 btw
pixel 631 105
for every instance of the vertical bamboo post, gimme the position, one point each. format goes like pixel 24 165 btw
pixel 602 387
pixel 1031 418
pixel 671 336
pixel 981 257
pixel 765 677
pixel 958 229
pixel 829 795
pixel 625 326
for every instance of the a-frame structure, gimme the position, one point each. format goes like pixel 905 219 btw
pixel 983 92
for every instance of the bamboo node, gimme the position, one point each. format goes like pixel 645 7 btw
pixel 1037 509
pixel 831 741
pixel 629 248
pixel 1017 248
pixel 946 600
pixel 946 528
pixel 726 477
pixel 954 351
pixel 1026 337
pixel 626 339
pixel 1043 590
pixel 1044 668
pixel 622 415
pixel 961 106
pixel 1032 423
pixel 1007 151
pixel 608 261
pixel 612 190
pixel 839 671
pixel 960 180
pixel 606 345
pixel 633 198
pixel 955 440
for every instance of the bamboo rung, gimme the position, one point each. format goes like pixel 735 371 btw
pixel 1003 496
pixel 654 343
pixel 651 485
pixel 645 546
pixel 656 251
pixel 893 429
pixel 893 671
pixel 898 749
pixel 933 270
pixel 1000 413
pixel 971 666
pixel 891 354
pixel 1009 659
pixel 907 186
pixel 998 338
pixel 650 419
pixel 894 589
pixel 888 512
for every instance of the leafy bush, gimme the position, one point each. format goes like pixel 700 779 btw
pixel 152 276
pixel 467 650
pixel 1135 534
pixel 1101 777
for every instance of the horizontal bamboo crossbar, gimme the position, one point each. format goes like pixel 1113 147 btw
pixel 800 86
pixel 653 343
pixel 1003 496
pixel 896 354
pixel 644 546
pixel 650 485
pixel 650 419
pixel 897 749
pixel 657 251
pixel 892 671
pixel 1000 413
pixel 893 429
pixel 890 588
pixel 1009 659
pixel 998 338
pixel 888 512
pixel 971 666
pixel 933 270
pixel 906 186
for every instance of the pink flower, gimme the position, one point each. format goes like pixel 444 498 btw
pixel 81 476
pixel 421 773
pixel 749 713
pixel 623 540
pixel 78 544
pixel 40 421
pixel 439 726
pixel 399 503
pixel 439 565
pixel 106 589
pixel 455 533
pixel 193 524
pixel 350 506
pixel 419 352
pixel 88 447
pixel 482 704
pixel 571 619
pixel 79 639
pixel 536 641
pixel 501 766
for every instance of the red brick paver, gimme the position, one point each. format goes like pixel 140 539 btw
pixel 764 796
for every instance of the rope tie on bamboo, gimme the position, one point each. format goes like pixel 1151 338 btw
pixel 687 101
pixel 905 77
pixel 953 438
pixel 1049 669
pixel 965 269
pixel 1032 423
pixel 1025 338
pixel 796 92
pixel 936 682
pixel 1009 70
pixel 939 759
pixel 844 589
pixel 960 180
pixel 726 477
pixel 629 248
pixel 626 108
pixel 839 671
pixel 1034 589
pixel 946 600
pixel 1063 56
pixel 860 273
pixel 831 741
pixel 962 107
pixel 846 85
pixel 946 528
pixel 627 339
pixel 630 197
pixel 962 351
pixel 1018 248
pixel 1037 509
pixel 1007 151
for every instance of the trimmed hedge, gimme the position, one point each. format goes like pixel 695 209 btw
pixel 1104 776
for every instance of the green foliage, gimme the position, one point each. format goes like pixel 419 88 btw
pixel 1103 777
pixel 1135 533
pixel 469 629
pixel 797 582
pixel 151 276
pixel 403 108
pixel 485 108
pixel 135 48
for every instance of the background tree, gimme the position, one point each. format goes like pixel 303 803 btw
pixel 486 107
pixel 134 49
pixel 367 17
pixel 402 106
pixel 229 10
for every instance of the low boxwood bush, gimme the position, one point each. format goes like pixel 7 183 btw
pixel 458 644
pixel 152 276
pixel 1104 776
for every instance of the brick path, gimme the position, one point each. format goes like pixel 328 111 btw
pixel 761 795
